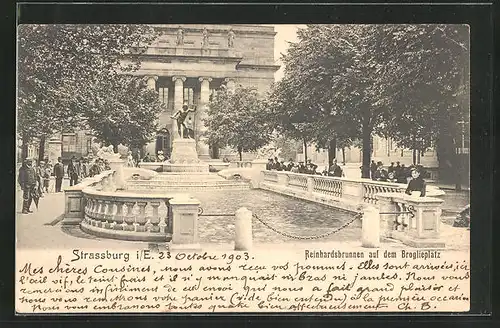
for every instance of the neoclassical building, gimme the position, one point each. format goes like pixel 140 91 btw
pixel 187 64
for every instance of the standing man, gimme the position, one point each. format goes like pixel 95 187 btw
pixel 73 171
pixel 391 168
pixel 59 173
pixel 28 182
pixel 373 169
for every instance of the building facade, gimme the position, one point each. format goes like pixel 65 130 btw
pixel 384 150
pixel 189 63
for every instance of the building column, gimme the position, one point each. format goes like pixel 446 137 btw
pixel 230 83
pixel 203 147
pixel 55 148
pixel 178 101
pixel 150 148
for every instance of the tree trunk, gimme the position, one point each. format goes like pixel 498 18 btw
pixel 332 149
pixel 240 153
pixel 24 147
pixel 367 151
pixel 305 151
pixel 343 155
pixel 41 149
pixel 418 156
pixel 458 168
pixel 414 157
pixel 115 147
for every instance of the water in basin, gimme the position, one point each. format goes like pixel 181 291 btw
pixel 287 214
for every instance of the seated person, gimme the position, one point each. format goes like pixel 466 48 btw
pixel 391 177
pixel 380 174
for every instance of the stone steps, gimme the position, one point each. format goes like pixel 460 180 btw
pixel 190 187
pixel 133 184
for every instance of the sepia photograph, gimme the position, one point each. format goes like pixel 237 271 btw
pixel 174 168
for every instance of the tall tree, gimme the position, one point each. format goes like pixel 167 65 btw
pixel 356 81
pixel 238 119
pixel 340 76
pixel 56 63
pixel 434 99
pixel 122 110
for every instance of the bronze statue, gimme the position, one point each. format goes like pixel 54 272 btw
pixel 185 124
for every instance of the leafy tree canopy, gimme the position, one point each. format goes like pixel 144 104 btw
pixel 58 65
pixel 238 119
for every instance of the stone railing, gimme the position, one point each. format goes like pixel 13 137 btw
pixel 259 164
pixel 243 164
pixel 102 206
pixel 342 193
pixel 74 200
pixel 411 219
pixel 127 216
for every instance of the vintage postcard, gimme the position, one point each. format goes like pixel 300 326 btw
pixel 242 168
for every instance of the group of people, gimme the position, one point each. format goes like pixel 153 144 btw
pixel 35 179
pixel 84 167
pixel 160 157
pixel 398 173
pixel 306 168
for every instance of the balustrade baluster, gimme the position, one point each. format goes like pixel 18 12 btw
pixel 95 209
pixel 101 209
pixel 128 221
pixel 118 218
pixel 108 215
pixel 141 217
pixel 168 227
pixel 154 220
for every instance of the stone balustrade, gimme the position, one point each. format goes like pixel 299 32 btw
pixel 342 193
pixel 259 164
pixel 411 219
pixel 102 206
pixel 74 200
pixel 127 216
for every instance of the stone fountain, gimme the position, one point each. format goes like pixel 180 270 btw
pixel 184 171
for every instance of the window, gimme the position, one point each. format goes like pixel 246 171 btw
pixel 163 96
pixel 69 143
pixel 189 96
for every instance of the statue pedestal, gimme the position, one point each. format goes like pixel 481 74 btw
pixel 184 158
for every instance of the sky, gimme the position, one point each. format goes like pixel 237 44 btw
pixel 284 34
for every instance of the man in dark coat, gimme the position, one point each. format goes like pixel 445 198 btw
pixel 59 174
pixel 270 164
pixel 380 174
pixel 335 170
pixel 373 169
pixel 73 171
pixel 416 183
pixel 391 168
pixel 28 181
